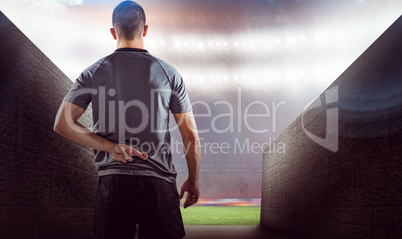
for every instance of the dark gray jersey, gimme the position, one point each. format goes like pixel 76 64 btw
pixel 132 93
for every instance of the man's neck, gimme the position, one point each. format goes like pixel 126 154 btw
pixel 136 43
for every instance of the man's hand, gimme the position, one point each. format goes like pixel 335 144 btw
pixel 192 150
pixel 193 193
pixel 123 153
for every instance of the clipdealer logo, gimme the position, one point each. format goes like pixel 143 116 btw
pixel 331 140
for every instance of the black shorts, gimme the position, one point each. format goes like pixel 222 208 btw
pixel 123 201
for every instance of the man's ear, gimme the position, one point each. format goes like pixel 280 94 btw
pixel 113 32
pixel 145 30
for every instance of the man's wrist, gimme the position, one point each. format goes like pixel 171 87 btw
pixel 192 180
pixel 109 146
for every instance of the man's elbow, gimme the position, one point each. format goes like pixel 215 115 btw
pixel 58 128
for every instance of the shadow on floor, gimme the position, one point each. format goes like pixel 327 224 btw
pixel 232 232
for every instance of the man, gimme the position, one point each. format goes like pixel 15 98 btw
pixel 132 93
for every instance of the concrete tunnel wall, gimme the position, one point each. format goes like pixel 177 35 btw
pixel 349 185
pixel 47 183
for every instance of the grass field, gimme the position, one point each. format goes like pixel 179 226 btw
pixel 202 215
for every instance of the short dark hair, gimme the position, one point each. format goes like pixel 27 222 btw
pixel 128 20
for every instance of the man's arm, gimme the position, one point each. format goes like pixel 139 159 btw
pixel 67 126
pixel 191 144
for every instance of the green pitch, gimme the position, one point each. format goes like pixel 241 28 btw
pixel 200 215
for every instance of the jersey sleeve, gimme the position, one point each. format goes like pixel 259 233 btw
pixel 179 101
pixel 80 93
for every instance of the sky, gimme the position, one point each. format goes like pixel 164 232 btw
pixel 267 57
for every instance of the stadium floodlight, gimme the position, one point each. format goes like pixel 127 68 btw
pixel 75 2
pixel 69 2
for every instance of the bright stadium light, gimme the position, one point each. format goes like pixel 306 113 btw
pixel 69 2
pixel 273 56
pixel 75 2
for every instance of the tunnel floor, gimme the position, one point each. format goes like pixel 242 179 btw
pixel 231 232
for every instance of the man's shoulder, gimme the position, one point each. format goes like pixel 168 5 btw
pixel 169 69
pixel 92 68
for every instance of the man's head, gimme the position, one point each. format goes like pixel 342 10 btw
pixel 128 21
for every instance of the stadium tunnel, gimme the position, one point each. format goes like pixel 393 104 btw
pixel 315 189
